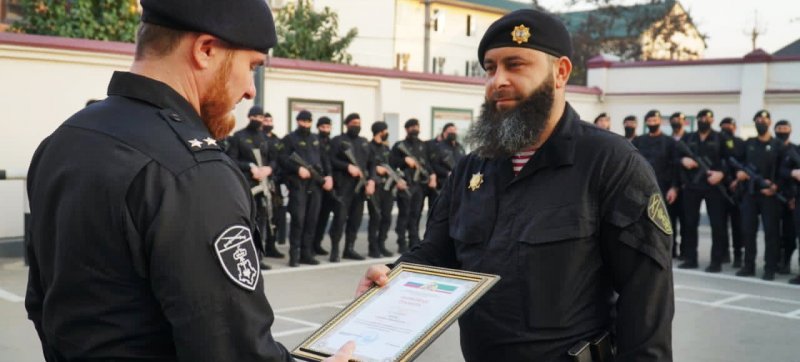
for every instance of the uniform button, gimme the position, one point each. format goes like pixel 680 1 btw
pixel 175 117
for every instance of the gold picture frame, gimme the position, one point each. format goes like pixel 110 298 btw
pixel 444 286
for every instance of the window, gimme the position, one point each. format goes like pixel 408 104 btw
pixel 438 65
pixel 10 11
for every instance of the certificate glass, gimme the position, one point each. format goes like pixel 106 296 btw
pixel 398 321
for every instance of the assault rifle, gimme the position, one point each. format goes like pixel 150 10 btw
pixel 315 175
pixel 703 167
pixel 420 173
pixel 265 187
pixel 756 179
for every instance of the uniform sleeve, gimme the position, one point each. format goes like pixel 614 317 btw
pixel 635 242
pixel 336 155
pixel 396 158
pixel 235 153
pixel 179 218
pixel 285 149
pixel 371 163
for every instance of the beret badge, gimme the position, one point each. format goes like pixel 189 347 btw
pixel 521 34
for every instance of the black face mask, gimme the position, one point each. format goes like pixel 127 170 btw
pixel 762 128
pixel 268 129
pixel 304 131
pixel 384 136
pixel 728 132
pixel 353 131
pixel 782 136
pixel 703 126
pixel 413 134
pixel 451 137
pixel 653 128
pixel 629 131
pixel 324 134
pixel 254 125
pixel 676 126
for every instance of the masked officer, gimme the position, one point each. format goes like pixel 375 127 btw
pixel 583 219
pixel 762 154
pixel 410 156
pixel 677 122
pixel 143 242
pixel 279 210
pixel 381 203
pixel 733 212
pixel 450 152
pixel 783 130
pixel 328 203
pixel 353 167
pixel 699 185
pixel 630 124
pixel 659 151
pixel 242 146
pixel 301 158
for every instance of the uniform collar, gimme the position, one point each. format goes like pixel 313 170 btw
pixel 159 94
pixel 559 149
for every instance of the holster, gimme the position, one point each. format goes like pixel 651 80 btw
pixel 598 349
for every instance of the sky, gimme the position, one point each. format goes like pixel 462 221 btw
pixel 727 23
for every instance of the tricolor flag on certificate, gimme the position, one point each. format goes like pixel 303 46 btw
pixel 434 287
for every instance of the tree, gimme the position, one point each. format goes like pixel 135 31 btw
pixel 306 34
pixel 114 20
pixel 628 32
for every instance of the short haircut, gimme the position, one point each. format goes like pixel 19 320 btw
pixel 629 118
pixel 601 115
pixel 155 41
pixel 782 122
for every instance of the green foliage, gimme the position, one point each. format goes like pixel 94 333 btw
pixel 306 34
pixel 114 20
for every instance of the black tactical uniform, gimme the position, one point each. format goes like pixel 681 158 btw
pixel 410 208
pixel 733 211
pixel 141 244
pixel 583 219
pixel 305 196
pixel 449 155
pixel 380 205
pixel 786 233
pixel 434 157
pixel 348 214
pixel 789 164
pixel 659 151
pixel 279 210
pixel 240 149
pixel 764 158
pixel 696 189
pixel 327 205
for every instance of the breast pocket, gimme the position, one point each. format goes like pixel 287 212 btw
pixel 558 260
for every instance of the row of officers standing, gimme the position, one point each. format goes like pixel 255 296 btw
pixel 337 176
pixel 743 183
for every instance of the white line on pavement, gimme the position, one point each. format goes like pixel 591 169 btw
pixel 11 297
pixel 794 314
pixel 335 304
pixel 294 331
pixel 733 277
pixel 298 321
pixel 735 307
pixel 730 299
pixel 723 292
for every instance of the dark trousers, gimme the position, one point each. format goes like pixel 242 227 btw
pixel 380 215
pixel 733 216
pixel 261 223
pixel 795 243
pixel 347 215
pixel 787 232
pixel 326 208
pixel 675 211
pixel 769 208
pixel 715 204
pixel 305 199
pixel 409 210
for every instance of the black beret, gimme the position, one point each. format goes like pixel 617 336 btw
pixel 379 127
pixel 727 120
pixel 411 123
pixel 762 113
pixel 783 122
pixel 527 28
pixel 323 120
pixel 652 113
pixel 351 117
pixel 629 118
pixel 676 115
pixel 255 111
pixel 266 114
pixel 243 23
pixel 601 115
pixel 304 115
pixel 447 125
pixel 704 113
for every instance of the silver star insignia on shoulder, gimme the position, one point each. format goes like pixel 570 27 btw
pixel 210 141
pixel 196 143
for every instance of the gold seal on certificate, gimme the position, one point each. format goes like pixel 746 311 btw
pixel 398 321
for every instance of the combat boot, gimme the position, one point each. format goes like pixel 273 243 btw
pixel 382 249
pixel 272 252
pixel 402 246
pixel 334 252
pixel 374 251
pixel 350 252
pixel 294 258
pixel 748 270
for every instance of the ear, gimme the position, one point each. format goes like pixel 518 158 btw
pixel 204 48
pixel 563 68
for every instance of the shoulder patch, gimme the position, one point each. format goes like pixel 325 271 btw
pixel 238 256
pixel 657 212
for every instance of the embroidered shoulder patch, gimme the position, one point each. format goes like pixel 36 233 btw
pixel 238 256
pixel 657 212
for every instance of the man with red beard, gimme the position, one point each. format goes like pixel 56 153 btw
pixel 143 234
pixel 570 216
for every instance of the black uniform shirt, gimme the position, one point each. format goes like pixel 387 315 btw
pixel 240 150
pixel 449 155
pixel 381 153
pixel 360 149
pixel 711 150
pixel 791 161
pixel 418 150
pixel 659 151
pixel 308 147
pixel 141 242
pixel 764 158
pixel 584 219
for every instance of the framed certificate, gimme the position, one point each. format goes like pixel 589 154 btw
pixel 398 321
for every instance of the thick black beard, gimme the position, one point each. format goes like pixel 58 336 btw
pixel 499 134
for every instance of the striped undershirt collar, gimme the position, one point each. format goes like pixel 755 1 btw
pixel 520 159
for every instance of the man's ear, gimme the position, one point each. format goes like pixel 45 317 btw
pixel 563 68
pixel 204 49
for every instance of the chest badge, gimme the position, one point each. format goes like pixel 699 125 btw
pixel 475 182
pixel 657 212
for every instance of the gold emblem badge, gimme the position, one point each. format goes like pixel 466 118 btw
pixel 521 34
pixel 729 144
pixel 475 182
pixel 657 212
